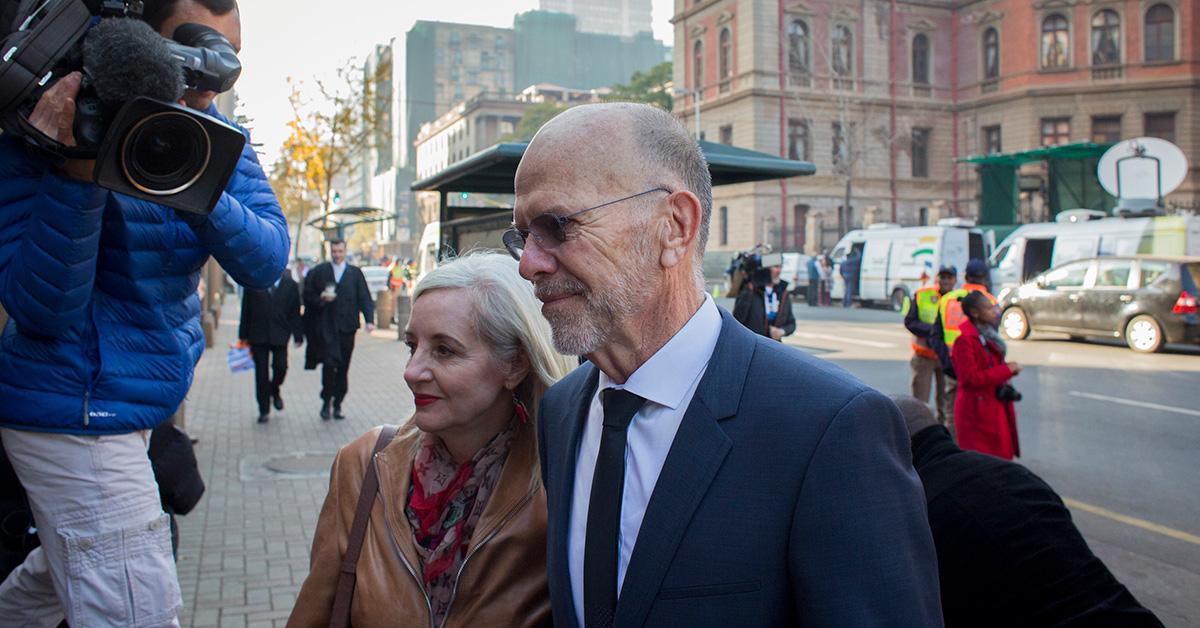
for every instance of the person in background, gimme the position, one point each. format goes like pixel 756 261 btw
pixel 920 312
pixel 457 531
pixel 335 294
pixel 269 318
pixel 1008 552
pixel 764 305
pixel 945 328
pixel 826 270
pixel 850 268
pixel 985 417
pixel 812 291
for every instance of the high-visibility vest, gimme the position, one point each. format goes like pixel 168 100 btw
pixel 927 311
pixel 951 311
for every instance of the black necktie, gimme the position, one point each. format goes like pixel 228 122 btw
pixel 604 510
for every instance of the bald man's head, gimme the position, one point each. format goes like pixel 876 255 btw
pixel 617 146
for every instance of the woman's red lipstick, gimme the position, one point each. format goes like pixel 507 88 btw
pixel 424 400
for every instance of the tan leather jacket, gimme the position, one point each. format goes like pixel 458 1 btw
pixel 502 582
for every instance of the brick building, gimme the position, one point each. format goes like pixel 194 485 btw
pixel 885 95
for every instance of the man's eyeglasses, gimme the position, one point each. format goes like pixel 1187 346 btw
pixel 549 230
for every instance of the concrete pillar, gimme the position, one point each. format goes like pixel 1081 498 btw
pixel 938 210
pixel 812 231
pixel 871 215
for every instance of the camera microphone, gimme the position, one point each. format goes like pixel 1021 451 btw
pixel 125 59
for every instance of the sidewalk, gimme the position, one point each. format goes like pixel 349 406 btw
pixel 243 551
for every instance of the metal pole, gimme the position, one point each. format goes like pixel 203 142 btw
pixel 696 102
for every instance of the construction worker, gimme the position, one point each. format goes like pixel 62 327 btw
pixel 920 313
pixel 945 329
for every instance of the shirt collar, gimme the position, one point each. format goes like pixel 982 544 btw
pixel 668 375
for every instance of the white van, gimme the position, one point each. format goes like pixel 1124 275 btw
pixel 1037 247
pixel 429 250
pixel 897 261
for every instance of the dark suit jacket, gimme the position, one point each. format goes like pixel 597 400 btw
pixel 788 498
pixel 353 297
pixel 269 317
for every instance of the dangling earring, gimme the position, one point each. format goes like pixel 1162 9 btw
pixel 522 413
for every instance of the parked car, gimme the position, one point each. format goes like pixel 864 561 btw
pixel 1147 301
pixel 377 278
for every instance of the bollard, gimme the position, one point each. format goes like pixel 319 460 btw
pixel 403 310
pixel 383 309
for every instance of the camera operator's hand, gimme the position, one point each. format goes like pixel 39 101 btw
pixel 776 333
pixel 54 115
pixel 1014 367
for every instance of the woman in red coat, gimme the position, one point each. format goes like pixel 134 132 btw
pixel 984 422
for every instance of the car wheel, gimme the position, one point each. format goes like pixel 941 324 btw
pixel 898 296
pixel 1014 324
pixel 1143 334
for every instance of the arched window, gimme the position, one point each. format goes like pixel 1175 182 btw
pixel 1106 38
pixel 920 60
pixel 798 49
pixel 1055 42
pixel 991 54
pixel 725 60
pixel 698 66
pixel 843 51
pixel 1160 33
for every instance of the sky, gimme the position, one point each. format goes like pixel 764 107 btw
pixel 306 39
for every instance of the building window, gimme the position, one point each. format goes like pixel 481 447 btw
pixel 725 63
pixel 841 147
pixel 1055 42
pixel 726 134
pixel 923 217
pixel 698 66
pixel 991 140
pixel 799 224
pixel 799 52
pixel 1106 38
pixel 798 140
pixel 991 54
pixel 1160 33
pixel 1106 129
pixel 920 152
pixel 1160 125
pixel 843 51
pixel 920 60
pixel 1056 131
pixel 723 226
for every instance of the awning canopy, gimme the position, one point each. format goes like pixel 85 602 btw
pixel 1078 150
pixel 492 169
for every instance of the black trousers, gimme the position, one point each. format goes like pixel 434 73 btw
pixel 811 292
pixel 267 382
pixel 335 368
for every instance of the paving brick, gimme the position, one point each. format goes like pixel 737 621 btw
pixel 243 551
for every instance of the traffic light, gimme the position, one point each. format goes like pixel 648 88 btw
pixel 464 195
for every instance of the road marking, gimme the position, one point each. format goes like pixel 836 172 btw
pixel 1130 402
pixel 1133 521
pixel 833 338
pixel 878 332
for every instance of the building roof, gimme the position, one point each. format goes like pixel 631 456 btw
pixel 493 169
pixel 1078 150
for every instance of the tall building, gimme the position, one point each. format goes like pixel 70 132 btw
pixel 610 17
pixel 551 48
pixel 885 98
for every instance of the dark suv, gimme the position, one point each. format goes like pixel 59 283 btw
pixel 1148 301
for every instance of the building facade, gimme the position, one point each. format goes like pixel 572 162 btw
pixel 610 17
pixel 885 97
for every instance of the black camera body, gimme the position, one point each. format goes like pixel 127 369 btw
pixel 1006 392
pixel 145 145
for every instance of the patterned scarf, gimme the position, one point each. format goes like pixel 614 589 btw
pixel 990 334
pixel 445 502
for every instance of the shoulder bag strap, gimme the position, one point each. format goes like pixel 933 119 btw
pixel 340 617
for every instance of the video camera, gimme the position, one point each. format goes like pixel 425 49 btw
pixel 748 266
pixel 127 116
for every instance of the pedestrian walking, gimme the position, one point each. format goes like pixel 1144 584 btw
pixel 850 274
pixel 462 473
pixel 335 295
pixel 1008 552
pixel 920 313
pixel 269 319
pixel 764 305
pixel 812 291
pixel 985 416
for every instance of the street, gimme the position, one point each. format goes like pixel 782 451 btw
pixel 1114 432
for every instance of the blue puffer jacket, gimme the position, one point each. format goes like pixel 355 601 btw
pixel 101 290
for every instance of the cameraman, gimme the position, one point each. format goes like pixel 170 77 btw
pixel 764 304
pixel 103 337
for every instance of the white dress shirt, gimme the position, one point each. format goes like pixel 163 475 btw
pixel 338 270
pixel 667 381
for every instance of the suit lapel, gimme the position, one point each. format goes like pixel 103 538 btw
pixel 563 457
pixel 696 455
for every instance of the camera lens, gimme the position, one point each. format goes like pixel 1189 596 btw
pixel 165 153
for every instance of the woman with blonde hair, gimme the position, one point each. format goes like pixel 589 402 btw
pixel 445 524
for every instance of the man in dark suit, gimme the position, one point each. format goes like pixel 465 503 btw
pixel 335 294
pixel 269 317
pixel 696 474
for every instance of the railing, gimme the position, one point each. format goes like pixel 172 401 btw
pixel 1106 73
